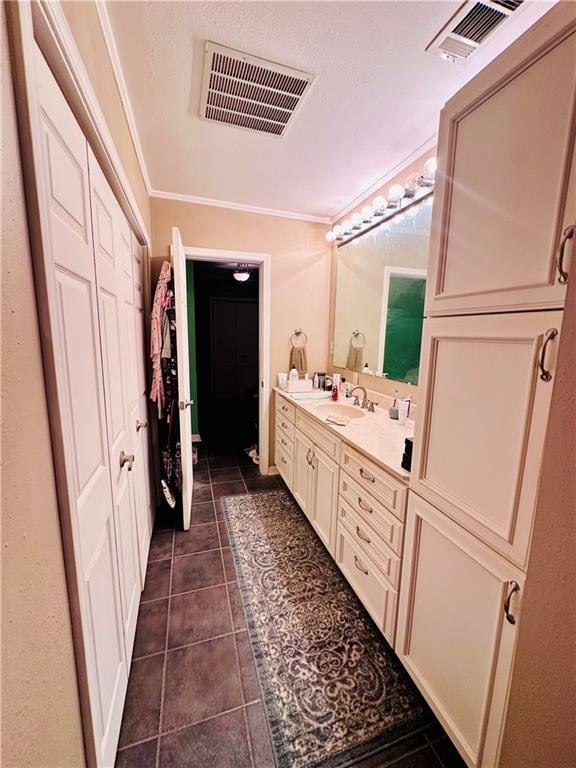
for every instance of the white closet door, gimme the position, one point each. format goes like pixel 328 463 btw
pixel 113 258
pixel 184 401
pixel 139 415
pixel 73 305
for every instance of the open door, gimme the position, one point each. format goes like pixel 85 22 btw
pixel 184 401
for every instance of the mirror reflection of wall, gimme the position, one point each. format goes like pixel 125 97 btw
pixel 380 286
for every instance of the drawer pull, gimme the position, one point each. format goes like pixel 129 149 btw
pixel 363 506
pixel 514 587
pixel 308 457
pixel 362 535
pixel 285 409
pixel 367 475
pixel 360 568
pixel 282 459
pixel 285 425
pixel 283 442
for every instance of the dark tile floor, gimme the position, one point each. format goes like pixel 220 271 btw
pixel 193 696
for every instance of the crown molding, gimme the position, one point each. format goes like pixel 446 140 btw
pixel 398 168
pixel 238 206
pixel 110 40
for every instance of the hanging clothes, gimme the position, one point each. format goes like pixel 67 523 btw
pixel 157 322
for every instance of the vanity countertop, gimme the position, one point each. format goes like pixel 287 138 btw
pixel 376 435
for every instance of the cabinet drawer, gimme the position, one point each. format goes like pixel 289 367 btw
pixel 376 594
pixel 377 481
pixel 285 465
pixel 372 512
pixel 365 537
pixel 287 410
pixel 284 443
pixel 284 425
pixel 321 437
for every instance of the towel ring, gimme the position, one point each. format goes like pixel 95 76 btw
pixel 298 333
pixel 355 337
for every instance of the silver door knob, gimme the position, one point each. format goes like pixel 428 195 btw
pixel 126 458
pixel 141 424
pixel 185 404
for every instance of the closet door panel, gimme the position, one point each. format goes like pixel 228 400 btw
pixel 113 275
pixel 504 196
pixel 484 410
pixel 73 306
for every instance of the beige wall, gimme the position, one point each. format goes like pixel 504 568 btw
pixel 541 725
pixel 40 708
pixel 374 383
pixel 299 262
pixel 85 26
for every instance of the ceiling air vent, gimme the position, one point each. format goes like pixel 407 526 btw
pixel 248 92
pixel 470 27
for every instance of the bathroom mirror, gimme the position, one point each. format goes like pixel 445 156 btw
pixel 380 287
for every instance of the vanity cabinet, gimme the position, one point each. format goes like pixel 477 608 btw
pixel 484 402
pixel 457 628
pixel 503 230
pixel 302 480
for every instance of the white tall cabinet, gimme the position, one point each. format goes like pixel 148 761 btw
pixel 502 246
pixel 91 280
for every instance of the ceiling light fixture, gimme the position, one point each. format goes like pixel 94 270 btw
pixel 417 187
pixel 241 273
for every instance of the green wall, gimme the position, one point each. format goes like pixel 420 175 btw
pixel 192 344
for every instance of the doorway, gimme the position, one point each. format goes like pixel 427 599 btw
pixel 228 323
pixel 225 323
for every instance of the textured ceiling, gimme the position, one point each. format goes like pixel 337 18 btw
pixel 375 100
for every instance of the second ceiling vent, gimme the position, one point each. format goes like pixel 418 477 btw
pixel 470 27
pixel 248 92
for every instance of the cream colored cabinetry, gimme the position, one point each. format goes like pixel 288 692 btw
pixel 505 201
pixel 302 481
pixel 485 397
pixel 457 628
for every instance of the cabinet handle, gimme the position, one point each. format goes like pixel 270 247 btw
pixel 285 425
pixel 366 475
pixel 283 442
pixel 513 588
pixel 545 374
pixel 126 458
pixel 141 424
pixel 357 564
pixel 363 506
pixel 282 459
pixel 308 456
pixel 568 234
pixel 361 535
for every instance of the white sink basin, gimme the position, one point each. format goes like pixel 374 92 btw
pixel 324 410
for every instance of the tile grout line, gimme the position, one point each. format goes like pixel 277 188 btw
pixel 245 716
pixel 163 686
pixel 431 746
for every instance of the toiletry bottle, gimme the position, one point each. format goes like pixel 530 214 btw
pixel 394 407
pixel 315 381
pixel 335 386
pixel 403 408
pixel 293 375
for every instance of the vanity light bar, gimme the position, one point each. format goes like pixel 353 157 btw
pixel 400 198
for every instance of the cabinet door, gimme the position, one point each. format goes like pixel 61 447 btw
pixel 302 479
pixel 454 636
pixel 483 413
pixel 324 505
pixel 506 190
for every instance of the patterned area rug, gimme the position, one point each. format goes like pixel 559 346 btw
pixel 333 689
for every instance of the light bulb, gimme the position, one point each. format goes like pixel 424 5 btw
pixel 380 204
pixel 367 213
pixel 356 220
pixel 347 226
pixel 430 168
pixel 241 273
pixel 411 184
pixel 337 231
pixel 396 193
pixel 329 235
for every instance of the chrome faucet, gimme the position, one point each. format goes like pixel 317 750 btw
pixel 357 399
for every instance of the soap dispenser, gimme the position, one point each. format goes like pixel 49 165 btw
pixel 293 375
